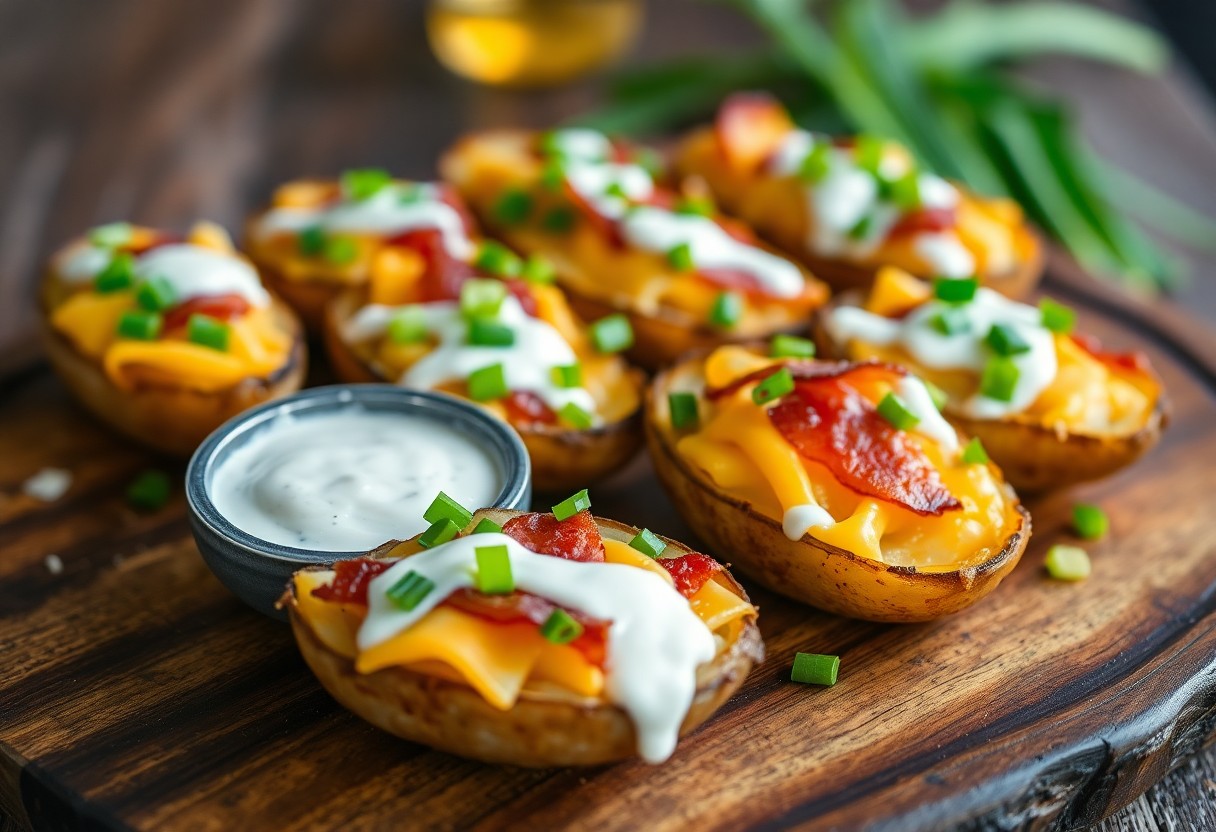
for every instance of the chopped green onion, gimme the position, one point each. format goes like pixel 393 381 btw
pixel 444 507
pixel 538 270
pixel 341 250
pixel 999 379
pixel 208 332
pixel 616 190
pixel 559 220
pixel 365 183
pixel 1090 521
pixel 552 175
pixel 774 386
pixel 560 628
pixel 974 453
pixel 487 526
pixel 482 297
pixel 612 334
pixel 118 274
pixel 439 532
pixel 695 207
pixel 648 543
pixel 862 229
pixel 494 570
pixel 893 409
pixel 1057 317
pixel 683 407
pixel 575 416
pixel 680 258
pixel 951 321
pixel 498 260
pixel 791 346
pixel 408 592
pixel 955 290
pixel 513 207
pixel 1067 563
pixel 149 491
pixel 936 394
pixel 156 295
pixel 311 241
pixel 488 383
pixel 487 332
pixel 568 376
pixel 1003 339
pixel 111 235
pixel 140 325
pixel 727 310
pixel 816 164
pixel 572 505
pixel 408 326
pixel 815 669
pixel 409 193
pixel 905 191
pixel 868 153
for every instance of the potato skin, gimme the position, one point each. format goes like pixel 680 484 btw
pixel 808 570
pixel 168 418
pixel 307 297
pixel 540 731
pixel 561 459
pixel 1034 458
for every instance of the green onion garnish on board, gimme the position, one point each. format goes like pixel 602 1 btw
pixel 140 325
pixel 974 453
pixel 999 379
pixel 487 332
pixel 727 310
pixel 494 570
pixel 611 334
pixel 574 416
pixel 364 183
pixel 487 526
pixel 111 235
pixel 1090 521
pixel 408 326
pixel 955 290
pixel 567 376
pixel 791 346
pixel 513 207
pixel 893 409
pixel 439 532
pixel 488 383
pixel 648 543
pixel 156 294
pixel 409 592
pixel 1057 317
pixel 443 507
pixel 311 241
pixel 1067 563
pixel 208 332
pixel 149 491
pixel 560 628
pixel 1003 339
pixel 118 274
pixel 815 669
pixel 684 410
pixel 341 250
pixel 572 505
pixel 773 387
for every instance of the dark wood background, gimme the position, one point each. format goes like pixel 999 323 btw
pixel 166 111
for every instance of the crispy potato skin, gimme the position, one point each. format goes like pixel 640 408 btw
pixel 561 459
pixel 1034 458
pixel 307 297
pixel 170 419
pixel 540 731
pixel 808 570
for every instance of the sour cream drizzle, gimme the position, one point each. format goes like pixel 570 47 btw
pixel 193 271
pixel 394 209
pixel 527 364
pixel 847 194
pixel 655 641
pixel 965 350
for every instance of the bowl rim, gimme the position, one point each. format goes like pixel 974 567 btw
pixel 500 440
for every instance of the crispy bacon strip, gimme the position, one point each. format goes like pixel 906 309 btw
pixel 351 578
pixel 927 220
pixel 521 606
pixel 525 408
pixel 223 307
pixel 1136 362
pixel 690 572
pixel 575 538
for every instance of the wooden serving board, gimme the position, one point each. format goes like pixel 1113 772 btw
pixel 137 692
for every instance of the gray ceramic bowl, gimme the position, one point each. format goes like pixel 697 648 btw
pixel 257 570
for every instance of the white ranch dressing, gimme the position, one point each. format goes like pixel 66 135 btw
pixel 657 229
pixel 592 181
pixel 655 641
pixel 930 422
pixel 847 194
pixel 527 364
pixel 392 210
pixel 800 519
pixel 349 480
pixel 193 271
pixel 581 143
pixel 964 350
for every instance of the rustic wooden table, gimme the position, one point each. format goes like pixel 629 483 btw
pixel 164 112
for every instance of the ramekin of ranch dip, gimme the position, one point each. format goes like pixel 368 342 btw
pixel 332 472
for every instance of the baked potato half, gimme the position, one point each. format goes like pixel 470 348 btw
pixel 165 338
pixel 563 713
pixel 845 207
pixel 683 275
pixel 1077 411
pixel 850 493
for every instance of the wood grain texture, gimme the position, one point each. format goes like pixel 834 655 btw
pixel 164 112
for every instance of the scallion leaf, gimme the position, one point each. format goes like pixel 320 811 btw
pixel 773 387
pixel 1067 563
pixel 488 383
pixel 648 543
pixel 815 669
pixel 494 575
pixel 572 505
pixel 893 409
pixel 407 593
pixel 443 507
pixel 684 411
pixel 560 628
pixel 1090 521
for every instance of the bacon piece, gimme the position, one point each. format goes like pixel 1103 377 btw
pixel 351 578
pixel 606 227
pixel 575 538
pixel 223 307
pixel 828 421
pixel 798 369
pixel 522 292
pixel 750 127
pixel 526 408
pixel 523 606
pixel 690 572
pixel 927 220
pixel 444 273
pixel 1136 362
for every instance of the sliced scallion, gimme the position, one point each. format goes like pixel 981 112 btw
pixel 1057 317
pixel 439 532
pixel 482 297
pixel 513 207
pixel 496 259
pixel 208 332
pixel 140 325
pixel 893 409
pixel 568 376
pixel 156 294
pixel 487 332
pixel 149 491
pixel 1003 339
pixel 487 383
pixel 560 628
pixel 111 235
pixel 815 669
pixel 487 526
pixel 999 379
pixel 572 505
pixel 118 274
pixel 955 290
pixel 680 258
pixel 974 453
pixel 1067 563
pixel 773 387
pixel 648 543
pixel 364 183
pixel 443 507
pixel 684 410
pixel 1090 521
pixel 408 326
pixel 612 334
pixel 727 310
pixel 494 570
pixel 407 593
pixel 574 416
